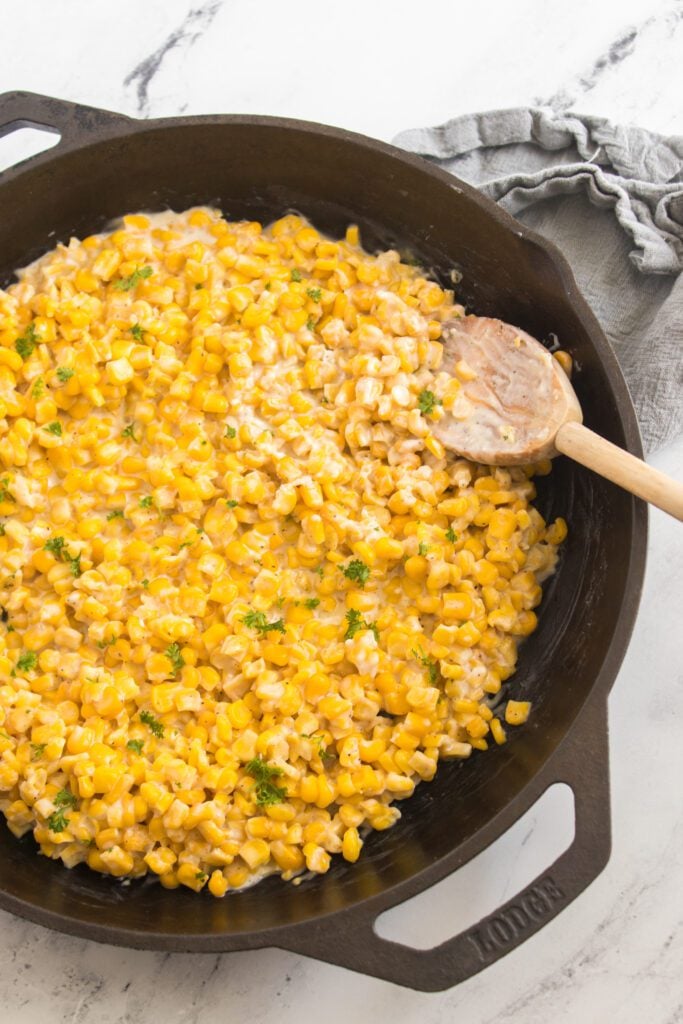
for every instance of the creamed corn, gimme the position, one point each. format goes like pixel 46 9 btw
pixel 248 603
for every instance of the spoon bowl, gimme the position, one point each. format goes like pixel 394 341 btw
pixel 516 406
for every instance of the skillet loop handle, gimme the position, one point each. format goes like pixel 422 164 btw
pixel 582 763
pixel 75 123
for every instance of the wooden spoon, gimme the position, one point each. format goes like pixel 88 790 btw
pixel 516 406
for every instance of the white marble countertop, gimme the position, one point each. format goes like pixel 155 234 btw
pixel 377 68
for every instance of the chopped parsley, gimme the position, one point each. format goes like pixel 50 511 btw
pixel 146 502
pixel 201 876
pixel 38 389
pixel 147 718
pixel 64 374
pixel 4 493
pixel 135 745
pixel 257 620
pixel 38 750
pixel 296 275
pixel 57 822
pixel 137 332
pixel 427 402
pixel 55 545
pixel 145 583
pixel 314 293
pixel 116 513
pixel 265 789
pixel 319 570
pixel 311 602
pixel 175 656
pixel 26 343
pixel 54 428
pixel 129 432
pixel 320 743
pixel 64 801
pixel 125 284
pixel 354 624
pixel 231 433
pixel 422 548
pixel 451 535
pixel 310 323
pixel 27 661
pixel 231 503
pixel 357 571
pixel 429 664
pixel 65 798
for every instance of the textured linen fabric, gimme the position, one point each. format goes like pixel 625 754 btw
pixel 611 198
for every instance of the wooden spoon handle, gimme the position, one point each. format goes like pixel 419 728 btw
pixel 603 457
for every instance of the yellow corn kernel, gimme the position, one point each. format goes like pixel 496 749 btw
pixel 497 731
pixel 517 711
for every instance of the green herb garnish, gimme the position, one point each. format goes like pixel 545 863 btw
pixel 135 745
pixel 257 620
pixel 296 275
pixel 64 374
pixel 429 664
pixel 137 332
pixel 55 545
pixel 54 428
pixel 451 535
pixel 175 656
pixel 38 389
pixel 4 492
pixel 64 800
pixel 57 822
pixel 129 432
pixel 320 743
pixel 26 342
pixel 427 402
pixel 116 513
pixel 231 503
pixel 422 548
pixel 357 571
pixel 146 502
pixel 310 323
pixel 75 565
pixel 231 433
pixel 38 750
pixel 311 602
pixel 27 661
pixel 354 624
pixel 155 725
pixel 266 790
pixel 314 293
pixel 125 284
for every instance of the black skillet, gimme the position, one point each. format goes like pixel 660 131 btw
pixel 258 167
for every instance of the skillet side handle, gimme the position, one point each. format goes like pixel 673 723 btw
pixel 349 940
pixel 72 121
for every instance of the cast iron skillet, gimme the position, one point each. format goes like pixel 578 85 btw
pixel 259 167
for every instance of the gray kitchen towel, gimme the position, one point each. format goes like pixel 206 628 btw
pixel 611 199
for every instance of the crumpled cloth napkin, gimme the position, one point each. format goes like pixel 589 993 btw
pixel 611 198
